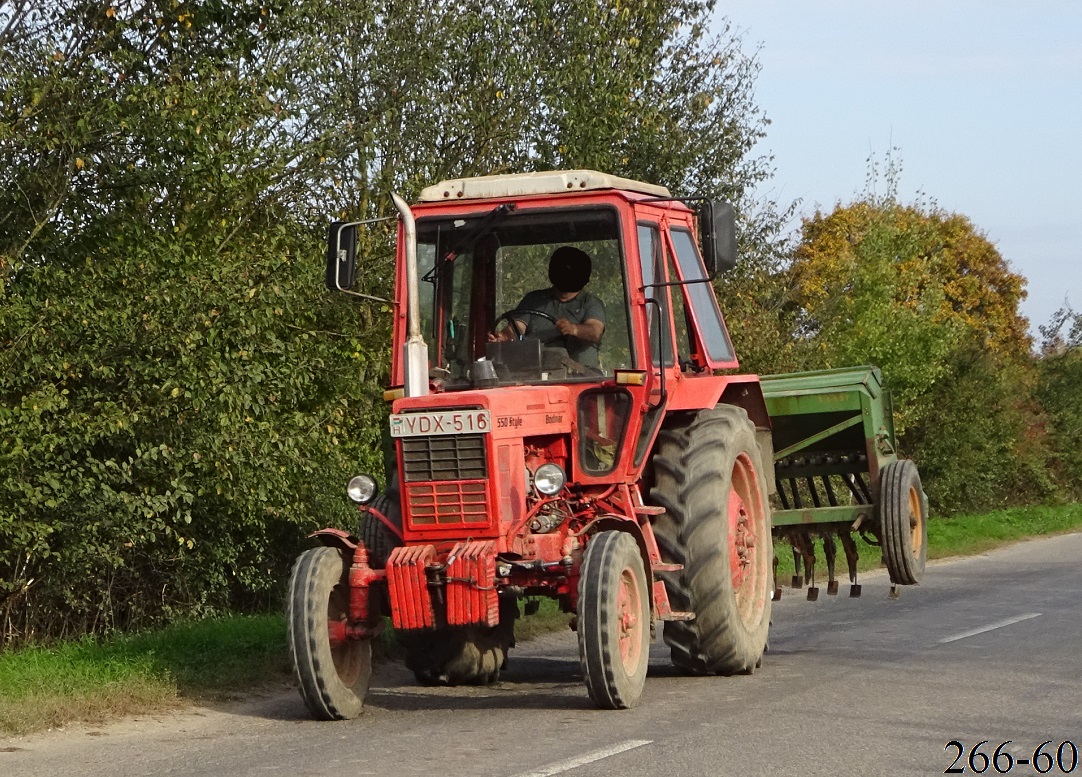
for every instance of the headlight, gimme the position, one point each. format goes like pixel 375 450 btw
pixel 549 479
pixel 362 489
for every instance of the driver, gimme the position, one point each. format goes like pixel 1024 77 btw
pixel 579 315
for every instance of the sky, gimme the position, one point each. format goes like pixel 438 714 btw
pixel 981 100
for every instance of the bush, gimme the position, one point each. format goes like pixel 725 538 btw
pixel 175 421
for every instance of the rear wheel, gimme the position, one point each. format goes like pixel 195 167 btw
pixel 903 523
pixel 472 655
pixel 332 669
pixel 717 526
pixel 613 620
pixel 378 538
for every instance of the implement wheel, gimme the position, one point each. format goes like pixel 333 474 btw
pixel 716 523
pixel 332 669
pixel 613 620
pixel 903 523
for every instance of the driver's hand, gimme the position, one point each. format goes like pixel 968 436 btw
pixel 499 337
pixel 565 327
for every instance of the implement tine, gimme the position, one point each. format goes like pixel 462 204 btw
pixel 798 579
pixel 851 555
pixel 814 492
pixel 779 485
pixel 830 551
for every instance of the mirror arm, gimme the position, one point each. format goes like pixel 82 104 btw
pixel 338 250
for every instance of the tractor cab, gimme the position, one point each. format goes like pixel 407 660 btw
pixel 476 273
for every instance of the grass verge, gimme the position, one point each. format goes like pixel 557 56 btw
pixel 96 680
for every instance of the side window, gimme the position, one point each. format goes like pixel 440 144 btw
pixel 704 307
pixel 680 320
pixel 650 257
pixel 426 260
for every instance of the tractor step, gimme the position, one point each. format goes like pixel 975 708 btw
pixel 649 510
pixel 663 567
pixel 676 615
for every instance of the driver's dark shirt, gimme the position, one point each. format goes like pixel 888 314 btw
pixel 582 307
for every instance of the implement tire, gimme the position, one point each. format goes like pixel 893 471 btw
pixel 471 655
pixel 903 523
pixel 716 524
pixel 332 670
pixel 613 620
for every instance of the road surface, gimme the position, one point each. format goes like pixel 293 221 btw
pixel 987 648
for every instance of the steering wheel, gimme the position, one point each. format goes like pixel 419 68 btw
pixel 509 318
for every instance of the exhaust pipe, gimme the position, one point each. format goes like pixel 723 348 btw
pixel 416 353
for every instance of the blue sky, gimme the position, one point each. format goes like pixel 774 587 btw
pixel 983 101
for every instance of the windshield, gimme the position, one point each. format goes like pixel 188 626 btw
pixel 536 297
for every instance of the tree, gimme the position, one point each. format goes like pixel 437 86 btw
pixel 178 399
pixel 923 294
pixel 1059 369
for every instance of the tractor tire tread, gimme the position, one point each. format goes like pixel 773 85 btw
pixel 687 533
pixel 314 576
pixel 607 681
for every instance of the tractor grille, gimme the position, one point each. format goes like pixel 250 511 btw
pixel 435 504
pixel 446 457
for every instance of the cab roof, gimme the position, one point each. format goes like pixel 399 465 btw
pixel 523 184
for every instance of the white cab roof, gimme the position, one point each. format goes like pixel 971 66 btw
pixel 522 184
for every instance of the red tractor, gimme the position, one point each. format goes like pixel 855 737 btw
pixel 607 455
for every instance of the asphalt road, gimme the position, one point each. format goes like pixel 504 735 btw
pixel 987 648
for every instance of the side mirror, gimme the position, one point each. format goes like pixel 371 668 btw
pixel 341 256
pixel 717 225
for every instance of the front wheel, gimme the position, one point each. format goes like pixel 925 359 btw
pixel 613 620
pixel 332 669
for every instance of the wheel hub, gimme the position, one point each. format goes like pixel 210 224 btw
pixel 741 540
pixel 628 623
pixel 915 516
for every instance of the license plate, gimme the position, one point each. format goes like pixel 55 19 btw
pixel 447 422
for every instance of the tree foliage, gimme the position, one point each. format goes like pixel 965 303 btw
pixel 1059 370
pixel 923 294
pixel 179 399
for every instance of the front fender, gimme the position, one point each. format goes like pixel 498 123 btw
pixel 336 538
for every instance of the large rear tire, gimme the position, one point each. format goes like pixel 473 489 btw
pixel 716 524
pixel 333 670
pixel 472 655
pixel 377 537
pixel 613 620
pixel 903 523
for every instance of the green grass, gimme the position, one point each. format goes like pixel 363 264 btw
pixel 96 680
pixel 970 534
pixel 547 619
